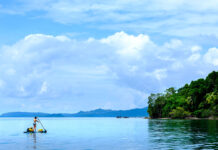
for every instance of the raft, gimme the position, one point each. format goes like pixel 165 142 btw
pixel 31 130
pixel 35 132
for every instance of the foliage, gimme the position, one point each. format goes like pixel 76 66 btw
pixel 179 112
pixel 199 99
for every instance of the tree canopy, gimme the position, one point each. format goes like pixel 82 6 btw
pixel 197 99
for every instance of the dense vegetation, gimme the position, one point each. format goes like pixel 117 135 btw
pixel 197 99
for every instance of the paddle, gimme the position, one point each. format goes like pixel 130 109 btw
pixel 42 126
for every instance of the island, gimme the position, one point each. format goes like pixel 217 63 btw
pixel 199 99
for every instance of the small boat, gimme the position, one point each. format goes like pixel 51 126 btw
pixel 35 132
pixel 31 130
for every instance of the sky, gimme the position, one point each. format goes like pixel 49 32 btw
pixel 71 55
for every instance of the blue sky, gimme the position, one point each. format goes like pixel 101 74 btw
pixel 66 56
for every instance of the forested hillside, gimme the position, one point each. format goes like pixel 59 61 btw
pixel 197 99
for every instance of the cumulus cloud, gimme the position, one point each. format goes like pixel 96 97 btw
pixel 128 45
pixel 211 56
pixel 118 71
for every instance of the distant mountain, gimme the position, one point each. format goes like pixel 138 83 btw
pixel 138 112
pixel 30 114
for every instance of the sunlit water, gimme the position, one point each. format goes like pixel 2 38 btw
pixel 109 134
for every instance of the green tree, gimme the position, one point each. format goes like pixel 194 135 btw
pixel 199 98
pixel 179 113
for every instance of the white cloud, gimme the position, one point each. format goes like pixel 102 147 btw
pixel 180 18
pixel 160 73
pixel 128 45
pixel 194 57
pixel 211 56
pixel 196 48
pixel 44 88
pixel 113 71
pixel 173 44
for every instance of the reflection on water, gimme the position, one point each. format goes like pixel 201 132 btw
pixel 184 134
pixel 34 140
pixel 109 134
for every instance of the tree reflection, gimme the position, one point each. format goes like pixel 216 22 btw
pixel 183 133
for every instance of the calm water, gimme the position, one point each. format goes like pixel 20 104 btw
pixel 109 134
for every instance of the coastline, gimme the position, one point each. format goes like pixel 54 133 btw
pixel 188 118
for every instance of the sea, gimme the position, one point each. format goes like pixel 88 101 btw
pixel 108 134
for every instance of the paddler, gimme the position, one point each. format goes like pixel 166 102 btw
pixel 34 123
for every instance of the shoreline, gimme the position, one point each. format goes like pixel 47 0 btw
pixel 188 118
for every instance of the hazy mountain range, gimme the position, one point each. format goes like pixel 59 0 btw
pixel 138 112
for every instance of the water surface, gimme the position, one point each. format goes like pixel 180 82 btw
pixel 109 134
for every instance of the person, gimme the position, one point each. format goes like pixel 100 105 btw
pixel 34 123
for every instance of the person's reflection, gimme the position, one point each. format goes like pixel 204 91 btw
pixel 34 140
pixel 33 136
